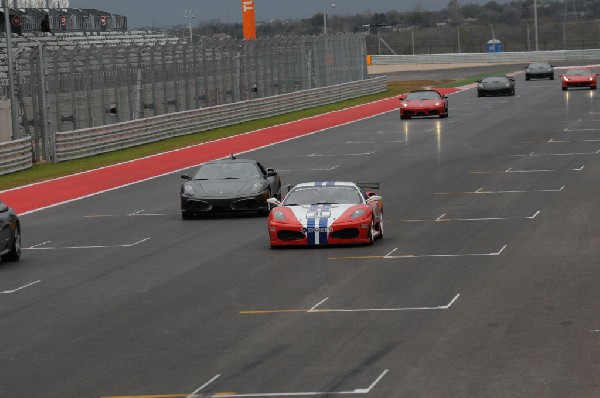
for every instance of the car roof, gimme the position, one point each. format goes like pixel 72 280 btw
pixel 420 91
pixel 223 161
pixel 326 184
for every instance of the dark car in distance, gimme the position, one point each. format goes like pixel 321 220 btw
pixel 229 185
pixel 539 70
pixel 496 85
pixel 10 234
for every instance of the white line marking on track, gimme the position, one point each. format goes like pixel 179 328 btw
pixel 41 244
pixel 479 191
pixel 568 130
pixel 556 154
pixel 442 219
pixel 377 380
pixel 20 288
pixel 37 247
pixel 316 155
pixel 203 386
pixel 357 391
pixel 318 304
pixel 446 255
pixel 375 142
pixel 390 253
pixel 510 170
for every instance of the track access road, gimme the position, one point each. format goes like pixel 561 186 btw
pixel 485 284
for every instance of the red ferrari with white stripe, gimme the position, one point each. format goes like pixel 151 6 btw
pixel 326 213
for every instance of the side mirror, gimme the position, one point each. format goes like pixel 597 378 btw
pixel 402 98
pixel 186 177
pixel 3 208
pixel 370 194
pixel 274 202
pixel 271 173
pixel 478 81
pixel 444 97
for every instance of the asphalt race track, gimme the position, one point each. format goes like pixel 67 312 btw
pixel 486 284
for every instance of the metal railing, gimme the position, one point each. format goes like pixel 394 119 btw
pixel 92 141
pixel 502 57
pixel 16 155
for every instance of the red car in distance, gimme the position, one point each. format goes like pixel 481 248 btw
pixel 579 77
pixel 423 103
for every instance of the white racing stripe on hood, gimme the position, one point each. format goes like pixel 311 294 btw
pixel 315 218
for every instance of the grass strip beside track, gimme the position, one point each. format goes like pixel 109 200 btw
pixel 47 171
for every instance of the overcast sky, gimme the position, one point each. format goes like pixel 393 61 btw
pixel 171 12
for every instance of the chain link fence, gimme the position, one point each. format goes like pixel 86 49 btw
pixel 65 89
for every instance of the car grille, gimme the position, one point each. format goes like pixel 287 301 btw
pixel 290 235
pixel 430 112
pixel 346 233
pixel 245 204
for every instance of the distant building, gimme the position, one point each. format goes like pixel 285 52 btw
pixel 38 3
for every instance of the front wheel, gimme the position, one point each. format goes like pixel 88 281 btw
pixel 15 252
pixel 187 215
pixel 564 89
pixel 593 87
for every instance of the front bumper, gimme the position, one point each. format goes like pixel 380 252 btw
pixel 541 75
pixel 348 233
pixel 225 204
pixel 500 91
pixel 413 112
pixel 585 83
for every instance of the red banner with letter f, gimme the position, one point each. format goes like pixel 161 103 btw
pixel 249 19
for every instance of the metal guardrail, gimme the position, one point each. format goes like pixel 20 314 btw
pixel 16 155
pixel 91 141
pixel 503 57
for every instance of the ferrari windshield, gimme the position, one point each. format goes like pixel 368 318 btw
pixel 228 171
pixel 539 66
pixel 495 80
pixel 578 72
pixel 423 95
pixel 323 195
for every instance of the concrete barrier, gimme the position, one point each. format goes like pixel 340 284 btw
pixel 92 141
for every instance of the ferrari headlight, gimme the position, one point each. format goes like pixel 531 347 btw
pixel 437 104
pixel 279 215
pixel 257 187
pixel 591 78
pixel 507 85
pixel 358 213
pixel 404 104
pixel 566 79
pixel 527 70
pixel 480 85
pixel 188 189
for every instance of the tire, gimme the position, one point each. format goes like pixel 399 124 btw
pixel 564 89
pixel 380 236
pixel 445 114
pixel 513 93
pixel 527 78
pixel 593 87
pixel 479 95
pixel 551 77
pixel 371 233
pixel 187 215
pixel 15 252
pixel 404 117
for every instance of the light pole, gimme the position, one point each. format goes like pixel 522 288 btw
pixel 189 15
pixel 458 37
pixel 412 39
pixel 16 132
pixel 535 24
pixel 325 18
pixel 529 29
